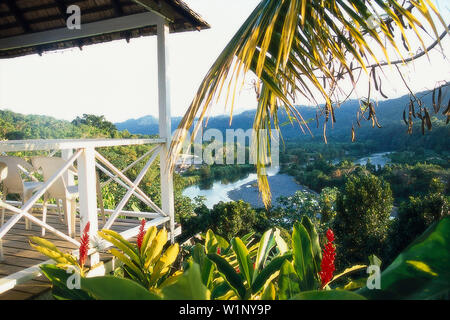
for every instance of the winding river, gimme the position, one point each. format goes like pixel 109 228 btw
pixel 246 188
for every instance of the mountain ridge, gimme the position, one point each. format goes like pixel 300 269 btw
pixel 388 112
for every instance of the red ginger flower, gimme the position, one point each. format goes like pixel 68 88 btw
pixel 140 236
pixel 327 264
pixel 330 235
pixel 84 245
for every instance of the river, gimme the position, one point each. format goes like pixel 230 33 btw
pixel 246 188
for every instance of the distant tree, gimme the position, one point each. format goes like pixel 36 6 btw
pixel 231 219
pixel 415 216
pixel 301 203
pixel 205 172
pixel 362 219
pixel 319 208
pixel 228 219
pixel 15 135
pixel 95 121
pixel 371 167
pixel 327 204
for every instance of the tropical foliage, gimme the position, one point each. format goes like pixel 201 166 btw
pixel 270 269
pixel 362 217
pixel 146 262
pixel 307 48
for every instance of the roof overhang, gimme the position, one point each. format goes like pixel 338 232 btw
pixel 35 26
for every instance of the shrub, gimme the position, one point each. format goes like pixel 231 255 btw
pixel 362 219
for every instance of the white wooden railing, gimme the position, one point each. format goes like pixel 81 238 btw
pixel 88 159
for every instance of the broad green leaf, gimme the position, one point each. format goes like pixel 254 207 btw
pixel 230 275
pixel 303 257
pixel 148 238
pixel 188 287
pixel 172 279
pixel 347 271
pixel 59 278
pixel 55 255
pixel 206 265
pixel 211 242
pixel 222 243
pixel 220 290
pixel 169 257
pixel 117 240
pixel 125 260
pixel 274 266
pixel 281 244
pixel 112 288
pixel 269 293
pixel 154 251
pixel 288 282
pixel 243 258
pixel 44 243
pixel 317 251
pixel 354 284
pixel 266 244
pixel 421 271
pixel 247 238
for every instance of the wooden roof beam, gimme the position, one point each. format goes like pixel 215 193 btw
pixel 117 8
pixel 18 15
pixel 112 25
pixel 62 7
pixel 58 16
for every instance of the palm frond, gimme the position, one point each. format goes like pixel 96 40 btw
pixel 290 45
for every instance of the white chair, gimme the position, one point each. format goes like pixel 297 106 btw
pixel 14 184
pixel 3 171
pixel 59 190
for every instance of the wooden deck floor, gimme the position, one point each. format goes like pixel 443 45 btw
pixel 19 255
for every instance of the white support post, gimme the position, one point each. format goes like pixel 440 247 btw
pixel 167 200
pixel 88 195
pixel 68 176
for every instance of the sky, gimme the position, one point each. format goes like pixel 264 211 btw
pixel 119 79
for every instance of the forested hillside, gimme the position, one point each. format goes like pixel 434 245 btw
pixel 16 126
pixel 392 135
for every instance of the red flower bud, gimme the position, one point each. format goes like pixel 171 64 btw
pixel 84 245
pixel 327 264
pixel 218 250
pixel 140 236
pixel 330 235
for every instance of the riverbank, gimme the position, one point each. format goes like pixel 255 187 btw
pixel 246 189
pixel 280 185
